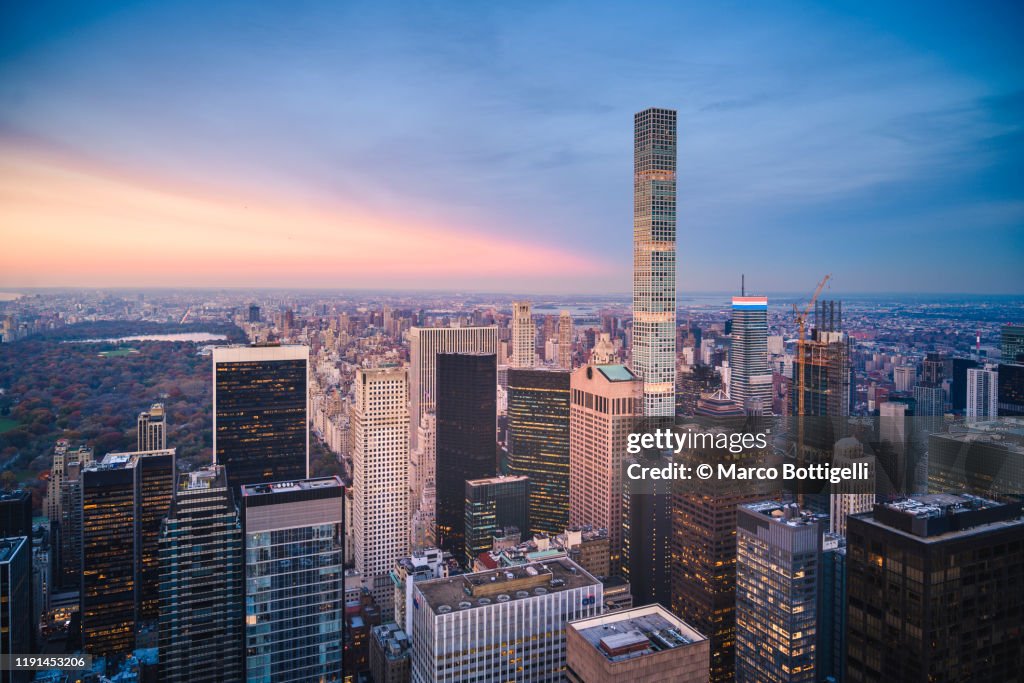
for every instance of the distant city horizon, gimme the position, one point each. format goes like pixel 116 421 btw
pixel 537 296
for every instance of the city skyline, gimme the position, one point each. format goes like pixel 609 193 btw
pixel 299 163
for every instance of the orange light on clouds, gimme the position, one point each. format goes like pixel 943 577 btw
pixel 69 223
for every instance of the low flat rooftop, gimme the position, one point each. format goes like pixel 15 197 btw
pixel 637 632
pixel 469 591
pixel 288 486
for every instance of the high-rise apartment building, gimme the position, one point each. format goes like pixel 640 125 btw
pixel 538 443
pixel 929 397
pixel 904 377
pixel 934 591
pixel 466 438
pixel 380 477
pixel 151 429
pixel 66 531
pixel 63 455
pixel 778 552
pixel 750 383
pixel 124 501
pixel 493 504
pixel 424 345
pixel 516 616
pixel 260 412
pixel 294 602
pixel 605 401
pixel 982 393
pixel 524 336
pixel 565 340
pixel 201 582
pixel 654 259
pixel 641 645
pixel 254 313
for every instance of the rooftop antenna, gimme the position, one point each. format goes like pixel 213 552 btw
pixel 743 285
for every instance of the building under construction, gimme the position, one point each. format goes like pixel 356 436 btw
pixel 826 378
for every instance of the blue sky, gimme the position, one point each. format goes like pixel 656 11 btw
pixel 882 144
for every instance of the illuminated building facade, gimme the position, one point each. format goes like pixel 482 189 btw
pixel 260 409
pixel 538 444
pixel 124 500
pixel 778 552
pixel 934 591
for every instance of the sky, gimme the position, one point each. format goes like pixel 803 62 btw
pixel 488 146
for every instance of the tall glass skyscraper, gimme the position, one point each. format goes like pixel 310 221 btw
pixel 467 385
pixel 751 383
pixel 260 408
pixel 778 550
pixel 293 580
pixel 201 582
pixel 654 259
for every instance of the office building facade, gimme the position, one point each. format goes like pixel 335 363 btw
pixel 778 551
pixel 538 444
pixel 466 438
pixel 125 498
pixel 294 601
pixel 16 627
pixel 604 404
pixel 934 591
pixel 750 383
pixel 492 505
pixel 260 412
pixel 565 337
pixel 425 343
pixel 524 336
pixel 380 477
pixel 513 620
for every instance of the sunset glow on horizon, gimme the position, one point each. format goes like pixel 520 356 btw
pixel 67 222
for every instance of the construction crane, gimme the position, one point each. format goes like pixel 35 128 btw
pixel 801 321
